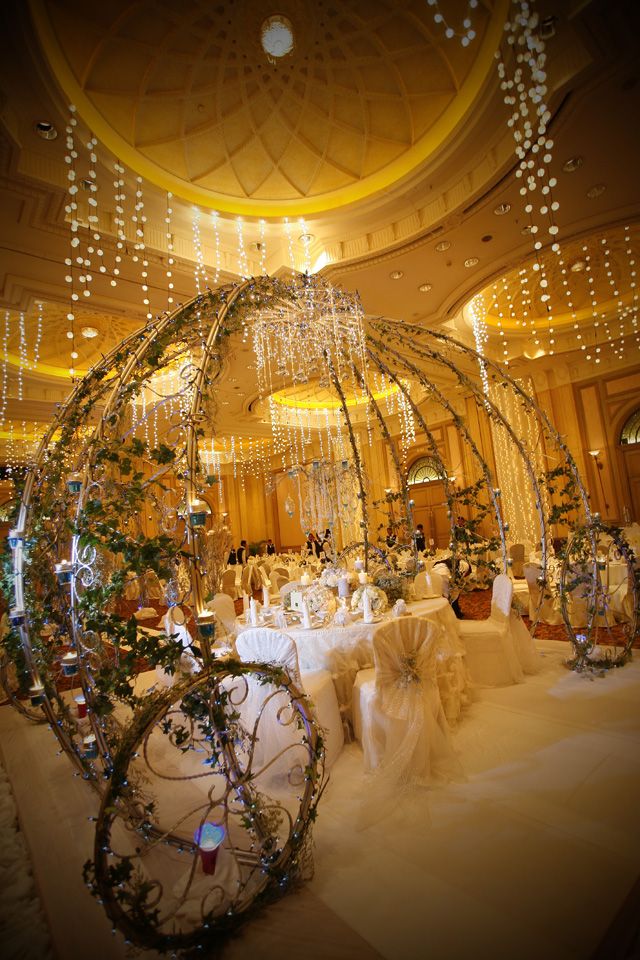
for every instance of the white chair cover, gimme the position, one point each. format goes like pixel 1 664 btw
pixel 250 578
pixel 228 584
pixel 428 584
pixel 550 607
pixel 225 611
pixel 492 657
pixel 516 552
pixel 174 624
pixel 262 645
pixel 398 714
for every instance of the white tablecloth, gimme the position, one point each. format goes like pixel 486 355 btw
pixel 345 650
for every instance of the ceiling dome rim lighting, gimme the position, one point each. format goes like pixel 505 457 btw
pixel 371 186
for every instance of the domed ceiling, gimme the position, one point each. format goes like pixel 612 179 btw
pixel 186 95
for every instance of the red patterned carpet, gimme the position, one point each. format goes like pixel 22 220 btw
pixel 477 605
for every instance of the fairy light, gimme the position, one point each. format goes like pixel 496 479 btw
pixel 121 239
pixel 5 366
pixel 306 246
pixel 199 269
pixel 71 208
pixel 263 248
pixel 243 266
pixel 292 259
pixel 479 325
pixel 169 238
pixel 139 219
pixel 38 340
pixel 216 239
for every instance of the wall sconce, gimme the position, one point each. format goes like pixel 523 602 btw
pixel 595 454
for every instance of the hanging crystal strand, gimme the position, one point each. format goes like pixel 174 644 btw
pixel 262 245
pixel 121 239
pixel 5 366
pixel 292 259
pixel 38 341
pixel 170 259
pixel 94 213
pixel 243 266
pixel 216 241
pixel 199 270
pixel 71 209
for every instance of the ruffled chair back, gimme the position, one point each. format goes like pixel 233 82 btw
pixel 225 611
pixel 260 645
pixel 404 656
pixel 228 584
pixel 516 553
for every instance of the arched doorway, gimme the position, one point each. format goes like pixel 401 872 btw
pixel 629 446
pixel 425 478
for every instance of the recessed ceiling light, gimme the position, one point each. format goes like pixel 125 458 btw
pixel 487 238
pixel 471 261
pixel 578 266
pixel 442 246
pixel 89 332
pixel 596 191
pixel 306 237
pixel 46 130
pixel 424 287
pixel 501 209
pixel 396 274
pixel 276 37
pixel 572 164
pixel 526 230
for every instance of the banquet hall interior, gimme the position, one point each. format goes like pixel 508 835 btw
pixel 320 479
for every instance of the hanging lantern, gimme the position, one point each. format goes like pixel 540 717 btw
pixel 36 694
pixel 16 537
pixel 16 616
pixel 199 510
pixel 90 747
pixel 64 571
pixel 74 482
pixel 207 623
pixel 289 507
pixel 69 663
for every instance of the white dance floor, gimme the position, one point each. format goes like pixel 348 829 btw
pixel 530 856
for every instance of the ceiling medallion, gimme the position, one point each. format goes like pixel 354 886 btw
pixel 596 191
pixel 442 246
pixel 276 37
pixel 46 130
pixel 572 164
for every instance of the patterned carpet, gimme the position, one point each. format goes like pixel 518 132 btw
pixel 477 605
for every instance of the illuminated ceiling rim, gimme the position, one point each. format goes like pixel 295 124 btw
pixel 364 189
pixel 292 403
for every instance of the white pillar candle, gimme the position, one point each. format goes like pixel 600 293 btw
pixel 367 615
pixel 362 577
pixel 305 579
pixel 253 612
pixel 359 564
pixel 343 587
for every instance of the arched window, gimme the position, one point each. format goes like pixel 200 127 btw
pixel 630 432
pixel 425 470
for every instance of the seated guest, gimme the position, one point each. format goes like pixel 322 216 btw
pixel 271 547
pixel 419 538
pixel 242 552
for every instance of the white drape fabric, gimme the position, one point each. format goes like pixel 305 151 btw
pixel 225 611
pixel 492 658
pixel 263 645
pixel 404 732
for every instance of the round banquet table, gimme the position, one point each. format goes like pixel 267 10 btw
pixel 345 650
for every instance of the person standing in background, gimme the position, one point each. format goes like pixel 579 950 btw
pixel 241 552
pixel 419 538
pixel 271 547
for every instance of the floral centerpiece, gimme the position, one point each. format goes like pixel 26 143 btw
pixel 377 599
pixel 395 586
pixel 331 575
pixel 321 603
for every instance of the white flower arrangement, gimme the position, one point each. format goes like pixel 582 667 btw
pixel 377 599
pixel 331 575
pixel 320 601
